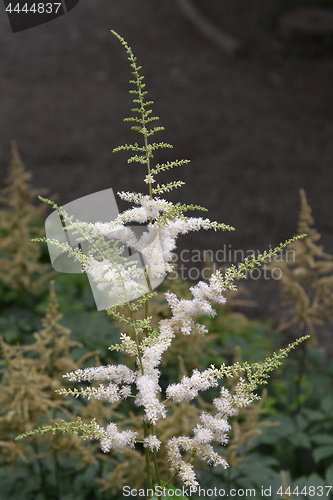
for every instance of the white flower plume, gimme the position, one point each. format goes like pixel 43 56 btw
pixel 147 397
pixel 114 440
pixel 198 448
pixel 152 442
pixel 116 373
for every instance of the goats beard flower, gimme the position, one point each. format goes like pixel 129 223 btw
pixel 148 354
pixel 121 276
pixel 150 213
pixel 115 440
pixel 152 442
pixel 148 389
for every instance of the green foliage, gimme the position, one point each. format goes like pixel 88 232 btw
pixel 143 118
pixel 260 463
pixel 30 375
pixel 299 415
pixel 299 397
pixel 256 375
pixel 65 482
pixel 142 109
pixel 302 442
pixel 169 492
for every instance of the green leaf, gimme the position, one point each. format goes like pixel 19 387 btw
pixel 314 415
pixel 302 422
pixel 322 452
pixel 327 404
pixel 300 440
pixel 324 439
pixel 329 475
pixel 316 482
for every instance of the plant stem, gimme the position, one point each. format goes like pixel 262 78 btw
pixel 146 433
pixel 156 465
pixel 147 156
pixel 145 137
pixel 44 489
pixel 145 426
pixel 136 337
pixel 176 473
pixel 57 476
pixel 301 374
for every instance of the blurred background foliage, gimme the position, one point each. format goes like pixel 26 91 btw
pixel 49 325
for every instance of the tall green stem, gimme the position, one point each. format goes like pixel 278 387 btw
pixel 45 490
pixel 156 465
pixel 145 426
pixel 145 137
pixel 301 373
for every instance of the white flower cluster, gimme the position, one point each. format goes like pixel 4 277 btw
pixel 121 279
pixel 125 262
pixel 127 345
pixel 110 437
pixel 168 233
pixel 165 233
pixel 213 428
pixel 118 373
pixel 147 397
pixel 184 316
pixel 189 387
pixel 226 404
pixel 152 442
pixel 152 356
pixel 198 448
pixel 112 393
pixel 150 209
pixel 114 440
pixel 124 278
pixel 186 311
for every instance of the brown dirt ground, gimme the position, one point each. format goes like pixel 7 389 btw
pixel 257 128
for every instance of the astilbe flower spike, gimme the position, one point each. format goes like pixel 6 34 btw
pixel 104 263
